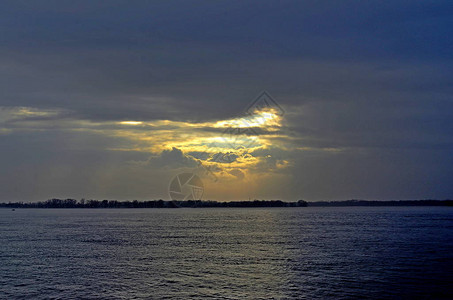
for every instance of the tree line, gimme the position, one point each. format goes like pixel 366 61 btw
pixel 82 203
pixel 353 202
pixel 73 203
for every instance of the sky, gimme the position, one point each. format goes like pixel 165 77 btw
pixel 313 100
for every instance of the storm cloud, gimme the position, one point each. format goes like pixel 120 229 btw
pixel 367 90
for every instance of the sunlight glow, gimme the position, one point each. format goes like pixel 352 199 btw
pixel 239 135
pixel 131 123
pixel 261 119
pixel 226 146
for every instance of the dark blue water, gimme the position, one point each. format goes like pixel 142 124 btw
pixel 227 253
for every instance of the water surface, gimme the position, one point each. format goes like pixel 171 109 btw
pixel 227 253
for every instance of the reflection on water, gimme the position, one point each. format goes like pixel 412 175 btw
pixel 226 253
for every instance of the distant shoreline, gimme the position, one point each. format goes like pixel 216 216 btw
pixel 72 203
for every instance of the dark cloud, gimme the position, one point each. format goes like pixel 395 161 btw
pixel 224 157
pixel 363 84
pixel 173 158
pixel 199 155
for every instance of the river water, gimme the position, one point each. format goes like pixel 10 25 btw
pixel 227 253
